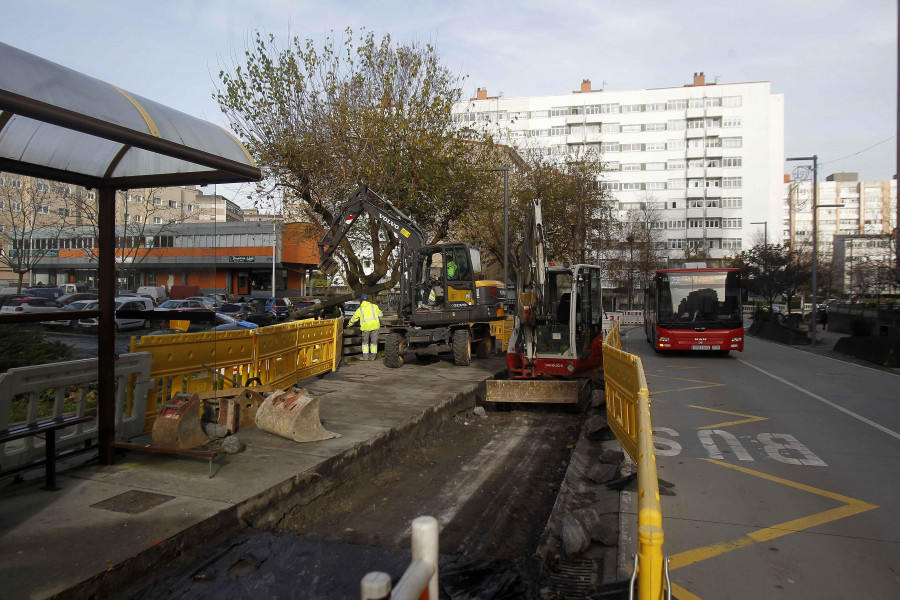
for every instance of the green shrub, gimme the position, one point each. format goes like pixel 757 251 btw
pixel 24 348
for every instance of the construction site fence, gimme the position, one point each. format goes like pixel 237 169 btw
pixel 72 386
pixel 628 415
pixel 278 355
pixel 420 580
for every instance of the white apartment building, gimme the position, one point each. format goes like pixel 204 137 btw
pixel 707 159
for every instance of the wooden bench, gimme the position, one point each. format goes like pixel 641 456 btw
pixel 49 427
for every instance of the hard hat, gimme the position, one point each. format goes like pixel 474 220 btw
pixel 364 297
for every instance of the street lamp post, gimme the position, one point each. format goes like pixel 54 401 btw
pixel 630 240
pixel 815 242
pixel 505 225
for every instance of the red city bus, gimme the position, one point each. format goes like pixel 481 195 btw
pixel 695 309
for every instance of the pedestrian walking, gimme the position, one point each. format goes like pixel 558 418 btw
pixel 369 316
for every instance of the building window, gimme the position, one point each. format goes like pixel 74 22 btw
pixel 631 166
pixel 173 203
pixel 714 203
pixel 594 109
pixel 677 184
pixel 157 220
pixel 64 212
pixel 695 103
pixel 653 146
pixel 676 144
pixel 732 161
pixel 695 124
pixel 731 243
pixel 677 244
pixel 609 128
pixel 732 223
pixel 676 104
pixel 655 166
pixel 138 199
pixel 732 142
pixel 631 108
pixel 559 111
pixel 190 208
pixel 631 147
pixel 655 185
pixel 42 187
pixel 92 195
pixel 15 183
pixel 609 108
pixel 609 147
pixel 732 101
pixel 676 164
pixel 539 132
pixel 713 142
pixel 15 206
pixel 63 190
pixel 612 166
pixel 677 224
pixel 631 187
pixel 654 107
pixel 713 223
pixel 655 127
pixel 695 223
pixel 731 182
pixel 631 128
pixel 540 114
pixel 42 209
pixel 610 186
pixel 695 203
pixel 677 124
pixel 731 122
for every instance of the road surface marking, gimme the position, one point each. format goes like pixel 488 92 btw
pixel 774 450
pixel 706 384
pixel 748 419
pixel 682 594
pixel 846 411
pixel 736 448
pixel 851 507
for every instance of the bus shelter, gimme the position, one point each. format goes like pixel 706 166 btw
pixel 65 126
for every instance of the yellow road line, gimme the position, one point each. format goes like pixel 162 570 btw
pixel 706 384
pixel 851 507
pixel 748 419
pixel 682 594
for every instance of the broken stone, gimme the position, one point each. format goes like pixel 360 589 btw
pixel 232 445
pixel 603 472
pixel 603 528
pixel 479 411
pixel 594 426
pixel 575 539
pixel 598 399
pixel 612 456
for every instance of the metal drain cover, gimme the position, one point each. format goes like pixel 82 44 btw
pixel 570 578
pixel 134 502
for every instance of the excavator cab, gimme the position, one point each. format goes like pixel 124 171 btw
pixel 575 316
pixel 448 278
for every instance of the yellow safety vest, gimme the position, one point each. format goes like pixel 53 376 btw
pixel 368 315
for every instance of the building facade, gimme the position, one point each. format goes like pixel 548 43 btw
pixel 705 160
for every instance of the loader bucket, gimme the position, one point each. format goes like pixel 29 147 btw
pixel 293 414
pixel 538 391
pixel 178 423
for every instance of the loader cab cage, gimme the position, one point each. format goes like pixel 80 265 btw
pixel 446 273
pixel 575 312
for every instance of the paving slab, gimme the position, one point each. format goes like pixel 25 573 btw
pixel 110 524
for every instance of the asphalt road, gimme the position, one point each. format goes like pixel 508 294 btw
pixel 784 470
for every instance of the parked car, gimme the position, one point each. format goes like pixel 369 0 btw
pixel 29 304
pixel 51 293
pixel 71 306
pixel 69 298
pixel 280 307
pixel 122 304
pixel 208 302
pixel 157 292
pixel 181 305
pixel 222 323
pixel 219 299
pixel 350 308
pixel 247 311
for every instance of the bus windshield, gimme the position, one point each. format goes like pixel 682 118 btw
pixel 700 299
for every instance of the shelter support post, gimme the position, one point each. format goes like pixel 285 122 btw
pixel 106 332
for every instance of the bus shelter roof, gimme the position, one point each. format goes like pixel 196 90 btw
pixel 62 125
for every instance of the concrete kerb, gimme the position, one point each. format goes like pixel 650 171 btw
pixel 267 509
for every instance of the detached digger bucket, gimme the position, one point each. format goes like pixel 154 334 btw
pixel 541 391
pixel 294 415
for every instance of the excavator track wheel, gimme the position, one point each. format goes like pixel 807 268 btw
pixel 393 357
pixel 462 348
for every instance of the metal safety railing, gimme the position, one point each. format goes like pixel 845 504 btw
pixel 279 355
pixel 628 415
pixel 420 580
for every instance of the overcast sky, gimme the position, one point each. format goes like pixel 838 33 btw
pixel 834 60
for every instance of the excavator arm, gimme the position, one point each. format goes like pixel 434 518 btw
pixel 365 200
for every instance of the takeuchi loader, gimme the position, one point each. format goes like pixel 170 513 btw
pixel 446 304
pixel 556 345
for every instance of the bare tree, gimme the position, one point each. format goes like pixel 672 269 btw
pixel 27 207
pixel 636 250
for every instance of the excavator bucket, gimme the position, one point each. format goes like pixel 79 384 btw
pixel 537 391
pixel 178 423
pixel 292 414
pixel 233 407
pixel 329 266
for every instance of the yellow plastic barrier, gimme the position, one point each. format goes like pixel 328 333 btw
pixel 502 330
pixel 279 355
pixel 628 414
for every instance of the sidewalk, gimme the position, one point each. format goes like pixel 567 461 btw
pixel 154 506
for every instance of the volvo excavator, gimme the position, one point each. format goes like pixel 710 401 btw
pixel 446 304
pixel 556 345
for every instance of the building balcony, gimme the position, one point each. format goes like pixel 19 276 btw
pixel 713 131
pixel 714 111
pixel 715 233
pixel 713 192
pixel 695 152
pixel 587 138
pixel 695 172
pixel 695 213
pixel 695 113
pixel 714 212
pixel 697 132
pixel 714 172
pixel 714 152
pixel 694 233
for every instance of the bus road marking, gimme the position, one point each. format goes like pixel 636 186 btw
pixel 706 384
pixel 782 447
pixel 850 507
pixel 747 419
pixel 846 411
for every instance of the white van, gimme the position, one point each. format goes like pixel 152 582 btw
pixel 122 303
pixel 157 291
pixel 72 288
